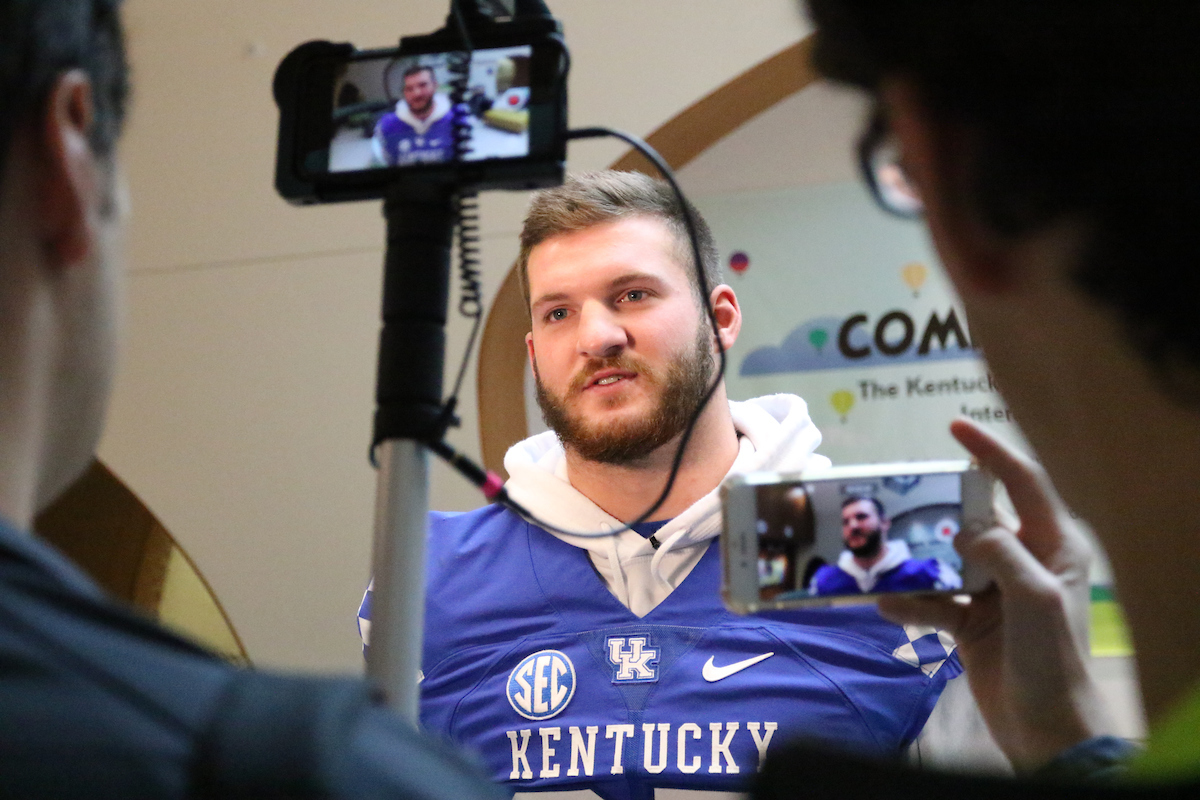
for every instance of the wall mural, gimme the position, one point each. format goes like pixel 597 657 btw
pixel 845 307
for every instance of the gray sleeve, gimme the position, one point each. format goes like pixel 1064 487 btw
pixel 955 737
pixel 279 736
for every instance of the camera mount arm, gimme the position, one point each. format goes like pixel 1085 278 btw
pixel 409 413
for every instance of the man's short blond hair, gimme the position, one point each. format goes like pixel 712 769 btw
pixel 596 198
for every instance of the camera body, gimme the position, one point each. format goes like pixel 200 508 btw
pixel 845 535
pixel 353 123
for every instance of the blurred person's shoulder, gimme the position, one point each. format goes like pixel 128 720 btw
pixel 99 701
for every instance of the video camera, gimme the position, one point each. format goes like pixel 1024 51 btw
pixel 479 104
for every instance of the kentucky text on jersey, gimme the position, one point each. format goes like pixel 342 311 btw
pixel 714 747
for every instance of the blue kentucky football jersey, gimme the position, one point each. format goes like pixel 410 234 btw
pixel 534 665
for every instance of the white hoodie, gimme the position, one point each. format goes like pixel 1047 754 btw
pixel 774 433
pixel 441 107
pixel 896 554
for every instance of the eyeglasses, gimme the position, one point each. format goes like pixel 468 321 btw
pixel 879 160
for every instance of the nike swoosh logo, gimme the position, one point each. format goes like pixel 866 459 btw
pixel 712 673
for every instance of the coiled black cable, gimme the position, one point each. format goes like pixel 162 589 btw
pixel 470 301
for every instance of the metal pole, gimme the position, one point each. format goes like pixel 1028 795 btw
pixel 398 600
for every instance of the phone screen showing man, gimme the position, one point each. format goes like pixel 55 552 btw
pixel 849 537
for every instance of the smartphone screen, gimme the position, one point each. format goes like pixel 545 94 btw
pixel 396 111
pixel 848 537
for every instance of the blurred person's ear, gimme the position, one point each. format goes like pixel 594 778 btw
pixel 72 181
pixel 937 155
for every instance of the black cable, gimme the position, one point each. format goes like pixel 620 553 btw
pixel 466 203
pixel 470 301
pixel 466 211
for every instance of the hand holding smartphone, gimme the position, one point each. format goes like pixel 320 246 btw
pixel 850 534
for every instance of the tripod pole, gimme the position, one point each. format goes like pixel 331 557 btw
pixel 408 394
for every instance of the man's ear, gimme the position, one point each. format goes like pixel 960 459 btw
pixel 937 157
pixel 529 347
pixel 724 304
pixel 71 183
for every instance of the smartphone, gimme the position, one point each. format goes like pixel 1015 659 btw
pixel 850 534
pixel 353 122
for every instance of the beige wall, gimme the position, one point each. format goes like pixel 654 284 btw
pixel 242 411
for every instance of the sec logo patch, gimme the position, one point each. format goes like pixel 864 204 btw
pixel 541 685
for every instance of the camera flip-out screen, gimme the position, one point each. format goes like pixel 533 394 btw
pixel 396 111
pixel 353 123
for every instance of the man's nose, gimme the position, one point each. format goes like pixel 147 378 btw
pixel 600 334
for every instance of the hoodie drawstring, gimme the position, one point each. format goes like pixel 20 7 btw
pixel 666 547
pixel 621 585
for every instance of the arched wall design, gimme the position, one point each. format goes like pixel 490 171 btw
pixel 110 534
pixel 502 354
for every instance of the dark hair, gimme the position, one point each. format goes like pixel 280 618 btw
pixel 39 40
pixel 1087 110
pixel 864 498
pixel 416 68
pixel 594 198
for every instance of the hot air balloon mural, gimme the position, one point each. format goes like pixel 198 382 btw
pixel 739 262
pixel 914 274
pixel 842 401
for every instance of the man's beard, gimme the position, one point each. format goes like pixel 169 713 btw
pixel 421 111
pixel 871 547
pixel 682 387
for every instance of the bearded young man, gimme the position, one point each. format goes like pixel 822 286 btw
pixel 603 660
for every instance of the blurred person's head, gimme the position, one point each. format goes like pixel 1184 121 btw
pixel 63 89
pixel 1053 145
pixel 1064 111
pixel 39 41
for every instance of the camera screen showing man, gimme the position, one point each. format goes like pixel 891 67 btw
pixel 421 128
pixel 871 562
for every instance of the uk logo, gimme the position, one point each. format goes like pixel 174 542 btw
pixel 633 659
pixel 541 685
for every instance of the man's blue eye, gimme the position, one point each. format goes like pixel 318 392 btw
pixel 557 314
pixel 635 294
